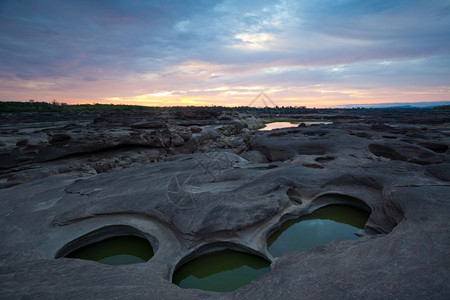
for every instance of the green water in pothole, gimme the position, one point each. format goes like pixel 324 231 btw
pixel 120 250
pixel 321 227
pixel 222 271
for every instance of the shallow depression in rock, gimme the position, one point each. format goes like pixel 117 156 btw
pixel 321 227
pixel 120 250
pixel 222 271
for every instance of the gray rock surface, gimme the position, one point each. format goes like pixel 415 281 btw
pixel 201 189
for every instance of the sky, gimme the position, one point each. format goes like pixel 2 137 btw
pixel 316 53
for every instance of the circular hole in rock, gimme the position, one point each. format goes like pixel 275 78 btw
pixel 119 250
pixel 321 227
pixel 112 245
pixel 222 271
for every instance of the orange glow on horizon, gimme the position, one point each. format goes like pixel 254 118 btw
pixel 310 97
pixel 319 96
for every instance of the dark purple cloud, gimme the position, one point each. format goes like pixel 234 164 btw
pixel 284 43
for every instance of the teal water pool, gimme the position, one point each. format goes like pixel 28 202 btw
pixel 222 271
pixel 120 250
pixel 321 227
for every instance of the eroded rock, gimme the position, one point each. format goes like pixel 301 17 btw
pixel 56 189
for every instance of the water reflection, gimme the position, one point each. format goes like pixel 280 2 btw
pixel 279 125
pixel 222 271
pixel 121 250
pixel 319 228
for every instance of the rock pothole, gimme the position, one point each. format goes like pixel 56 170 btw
pixel 321 227
pixel 111 245
pixel 322 159
pixel 435 147
pixel 220 268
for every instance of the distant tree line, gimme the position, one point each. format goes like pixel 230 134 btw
pixel 54 106
pixel 443 107
pixel 35 106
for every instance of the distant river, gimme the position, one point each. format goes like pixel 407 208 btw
pixel 278 125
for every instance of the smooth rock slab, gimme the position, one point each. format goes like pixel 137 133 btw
pixel 194 200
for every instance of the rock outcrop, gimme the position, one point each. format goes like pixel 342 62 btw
pixel 188 188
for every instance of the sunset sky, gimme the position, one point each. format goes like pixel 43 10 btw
pixel 310 52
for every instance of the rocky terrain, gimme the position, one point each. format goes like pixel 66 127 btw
pixel 197 180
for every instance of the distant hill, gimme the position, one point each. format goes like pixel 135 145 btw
pixel 399 105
